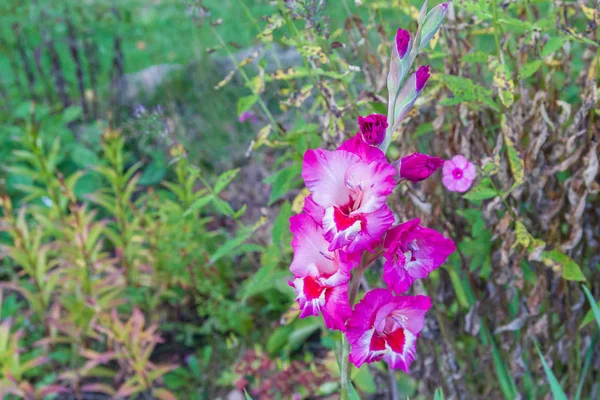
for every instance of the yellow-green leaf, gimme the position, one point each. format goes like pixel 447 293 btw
pixel 560 261
pixel 523 236
pixel 514 158
pixel 505 85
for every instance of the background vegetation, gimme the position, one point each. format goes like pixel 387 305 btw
pixel 144 236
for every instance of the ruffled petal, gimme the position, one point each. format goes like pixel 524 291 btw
pixel 375 225
pixel 372 183
pixel 324 175
pixel 336 310
pixel 367 154
pixel 312 209
pixel 396 276
pixel 340 229
pixel 402 360
pixel 311 254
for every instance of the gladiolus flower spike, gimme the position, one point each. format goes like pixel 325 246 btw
pixel 346 224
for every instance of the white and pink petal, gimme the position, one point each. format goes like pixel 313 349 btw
pixel 324 173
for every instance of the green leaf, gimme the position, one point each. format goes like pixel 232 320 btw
pixel 594 306
pixel 225 179
pixel 71 114
pixel 278 339
pixel 570 269
pixel 507 384
pixel 198 204
pixel 557 391
pixel 155 171
pixel 364 381
pixel 283 180
pixel 482 191
pixel 82 156
pixel 586 365
pixel 246 102
pixel 529 69
pixel 475 57
pixel 515 160
pixel 281 226
pixel 439 394
pixel 465 90
pixel 303 329
pixel 246 395
pixel 479 7
pixel 552 45
pixel 223 207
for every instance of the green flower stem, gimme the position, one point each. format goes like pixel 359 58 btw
pixel 357 278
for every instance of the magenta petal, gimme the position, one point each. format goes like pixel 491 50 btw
pixel 377 223
pixel 336 310
pixel 396 276
pixel 412 252
pixel 417 167
pixel 374 182
pixel 422 77
pixel 402 41
pixel 323 172
pixel 367 154
pixel 372 128
pixel 313 210
pixel 383 326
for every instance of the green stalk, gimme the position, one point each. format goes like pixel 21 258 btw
pixel 495 22
pixel 357 277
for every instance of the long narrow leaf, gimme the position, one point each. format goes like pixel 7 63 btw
pixel 557 391
pixel 593 304
pixel 586 366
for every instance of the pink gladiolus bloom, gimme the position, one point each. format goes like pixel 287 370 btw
pixel 417 167
pixel 402 41
pixel 384 326
pixel 351 185
pixel 422 77
pixel 458 174
pixel 320 276
pixel 372 128
pixel 412 252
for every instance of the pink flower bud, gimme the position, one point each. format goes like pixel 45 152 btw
pixel 372 128
pixel 422 77
pixel 402 41
pixel 417 167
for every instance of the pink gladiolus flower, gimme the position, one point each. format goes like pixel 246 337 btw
pixel 458 174
pixel 412 252
pixel 372 128
pixel 351 185
pixel 320 276
pixel 417 167
pixel 422 77
pixel 402 42
pixel 384 326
